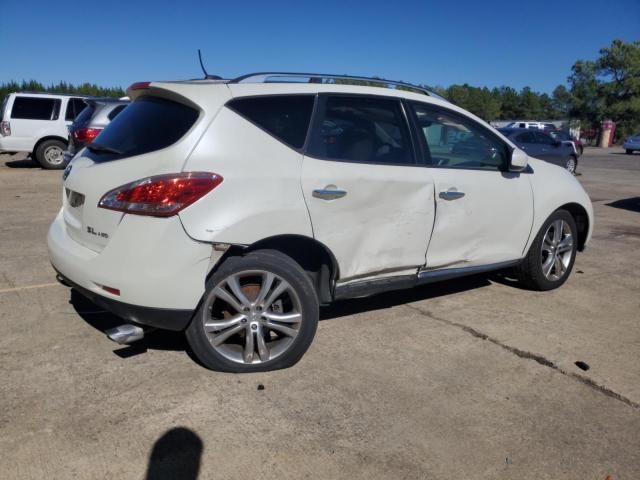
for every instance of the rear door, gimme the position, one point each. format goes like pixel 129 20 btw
pixel 483 213
pixel 369 201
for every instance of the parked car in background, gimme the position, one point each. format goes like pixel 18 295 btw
pixel 97 114
pixel 632 143
pixel 538 125
pixel 564 136
pixel 542 145
pixel 232 209
pixel 36 123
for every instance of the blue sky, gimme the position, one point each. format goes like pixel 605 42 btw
pixel 492 43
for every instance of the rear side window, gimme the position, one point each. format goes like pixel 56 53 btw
pixel 362 129
pixel 146 125
pixel 34 108
pixel 286 117
pixel 74 107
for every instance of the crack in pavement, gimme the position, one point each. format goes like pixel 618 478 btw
pixel 541 359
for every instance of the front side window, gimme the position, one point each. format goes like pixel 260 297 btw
pixel 544 138
pixel 452 141
pixel 362 129
pixel 34 108
pixel 525 137
pixel 286 117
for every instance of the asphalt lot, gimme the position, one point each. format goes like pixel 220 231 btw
pixel 468 379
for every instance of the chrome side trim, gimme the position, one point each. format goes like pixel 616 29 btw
pixel 429 276
pixel 369 287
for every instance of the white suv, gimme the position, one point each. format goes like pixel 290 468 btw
pixel 36 123
pixel 233 209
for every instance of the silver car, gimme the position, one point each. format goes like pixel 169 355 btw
pixel 87 126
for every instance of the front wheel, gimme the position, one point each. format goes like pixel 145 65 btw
pixel 550 259
pixel 629 152
pixel 572 164
pixel 259 312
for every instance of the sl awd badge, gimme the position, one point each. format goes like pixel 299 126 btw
pixel 97 234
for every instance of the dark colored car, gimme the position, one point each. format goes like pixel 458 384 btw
pixel 540 144
pixel 87 126
pixel 565 136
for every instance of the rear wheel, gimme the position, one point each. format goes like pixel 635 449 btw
pixel 50 154
pixel 572 164
pixel 550 259
pixel 260 312
pixel 629 152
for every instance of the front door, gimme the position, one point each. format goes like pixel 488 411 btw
pixel 484 214
pixel 369 202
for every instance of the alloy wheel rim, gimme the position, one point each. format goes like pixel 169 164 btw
pixel 252 317
pixel 54 155
pixel 571 165
pixel 557 250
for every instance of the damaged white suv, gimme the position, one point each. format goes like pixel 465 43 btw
pixel 233 209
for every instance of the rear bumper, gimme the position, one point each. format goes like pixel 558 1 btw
pixel 159 271
pixel 167 319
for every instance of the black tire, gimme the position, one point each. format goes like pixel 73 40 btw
pixel 44 156
pixel 273 262
pixel 629 152
pixel 531 273
pixel 571 164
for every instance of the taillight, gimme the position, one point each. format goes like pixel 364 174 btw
pixel 86 135
pixel 161 195
pixel 5 128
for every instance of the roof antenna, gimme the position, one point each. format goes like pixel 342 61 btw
pixel 206 75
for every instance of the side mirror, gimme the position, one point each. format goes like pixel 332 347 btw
pixel 518 160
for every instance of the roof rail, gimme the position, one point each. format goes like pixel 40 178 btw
pixel 288 77
pixel 34 92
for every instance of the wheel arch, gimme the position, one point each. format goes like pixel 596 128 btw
pixel 314 257
pixel 581 217
pixel 48 137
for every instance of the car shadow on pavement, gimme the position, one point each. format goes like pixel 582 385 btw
pixel 385 300
pixel 102 320
pixel 24 163
pixel 632 204
pixel 176 454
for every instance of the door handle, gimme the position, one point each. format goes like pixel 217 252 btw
pixel 451 195
pixel 329 193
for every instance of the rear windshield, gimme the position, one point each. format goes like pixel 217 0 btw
pixel 34 108
pixel 85 115
pixel 146 125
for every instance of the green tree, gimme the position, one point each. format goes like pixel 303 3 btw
pixel 609 87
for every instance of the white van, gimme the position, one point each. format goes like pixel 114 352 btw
pixel 36 123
